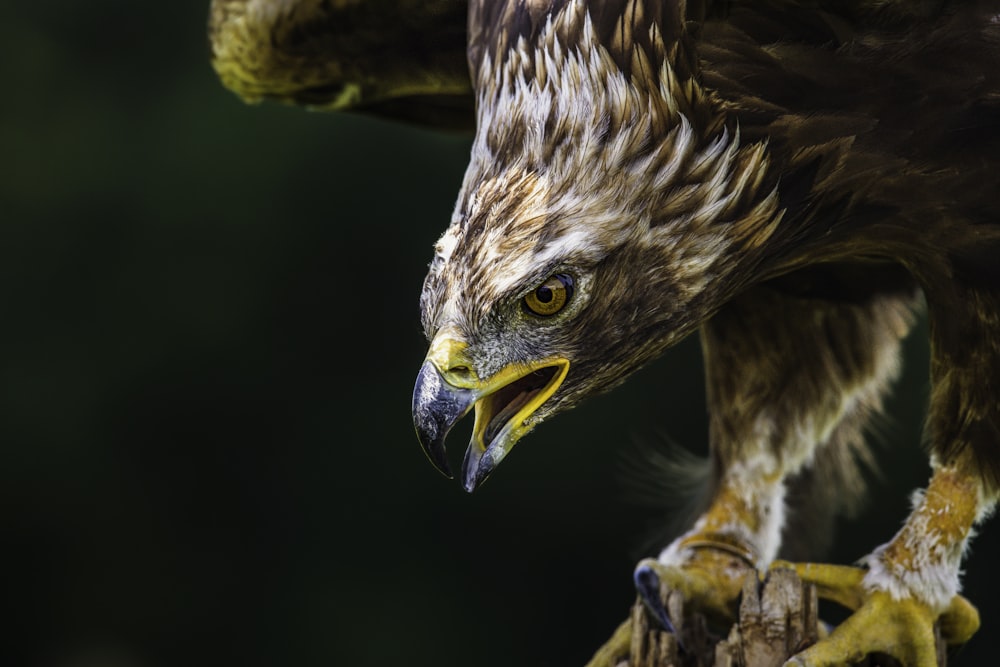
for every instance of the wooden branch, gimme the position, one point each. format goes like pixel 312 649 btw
pixel 778 617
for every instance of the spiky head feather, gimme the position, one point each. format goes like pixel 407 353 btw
pixel 598 155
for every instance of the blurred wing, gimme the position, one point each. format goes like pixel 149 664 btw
pixel 398 59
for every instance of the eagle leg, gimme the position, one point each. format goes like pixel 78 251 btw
pixel 901 628
pixel 899 598
pixel 711 579
pixel 793 377
pixel 912 582
pixel 709 564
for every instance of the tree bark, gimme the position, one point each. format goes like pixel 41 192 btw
pixel 778 617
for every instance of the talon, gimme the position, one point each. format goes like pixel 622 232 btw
pixel 647 585
pixel 959 621
pixel 901 628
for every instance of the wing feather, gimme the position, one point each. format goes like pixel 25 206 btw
pixel 840 90
pixel 402 59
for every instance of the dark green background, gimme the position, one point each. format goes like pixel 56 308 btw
pixel 209 337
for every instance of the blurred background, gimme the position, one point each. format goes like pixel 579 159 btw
pixel 209 339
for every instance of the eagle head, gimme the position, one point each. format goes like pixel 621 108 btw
pixel 596 226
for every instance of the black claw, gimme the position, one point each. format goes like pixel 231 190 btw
pixel 647 584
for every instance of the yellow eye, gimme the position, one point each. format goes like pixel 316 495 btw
pixel 551 296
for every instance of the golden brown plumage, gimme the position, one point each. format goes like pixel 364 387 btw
pixel 795 180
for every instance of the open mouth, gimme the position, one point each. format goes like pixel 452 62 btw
pixel 514 402
pixel 506 405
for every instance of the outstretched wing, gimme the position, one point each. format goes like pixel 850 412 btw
pixel 400 59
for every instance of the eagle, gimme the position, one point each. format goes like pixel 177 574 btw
pixel 792 181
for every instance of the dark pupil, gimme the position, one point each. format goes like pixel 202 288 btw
pixel 544 294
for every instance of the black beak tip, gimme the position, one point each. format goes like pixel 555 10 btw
pixel 470 480
pixel 434 449
pixel 476 468
pixel 444 469
pixel 486 466
pixel 436 407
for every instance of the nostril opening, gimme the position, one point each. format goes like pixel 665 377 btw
pixel 461 373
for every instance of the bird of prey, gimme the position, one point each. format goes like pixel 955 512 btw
pixel 793 181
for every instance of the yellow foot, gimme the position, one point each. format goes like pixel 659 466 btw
pixel 710 579
pixel 903 629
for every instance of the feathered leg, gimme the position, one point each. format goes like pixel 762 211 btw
pixel 913 581
pixel 787 374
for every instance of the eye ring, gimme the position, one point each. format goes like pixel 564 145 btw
pixel 550 296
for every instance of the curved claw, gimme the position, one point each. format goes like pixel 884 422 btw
pixel 959 621
pixel 710 579
pixel 647 585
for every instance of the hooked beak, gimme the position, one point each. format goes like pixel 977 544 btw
pixel 448 387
